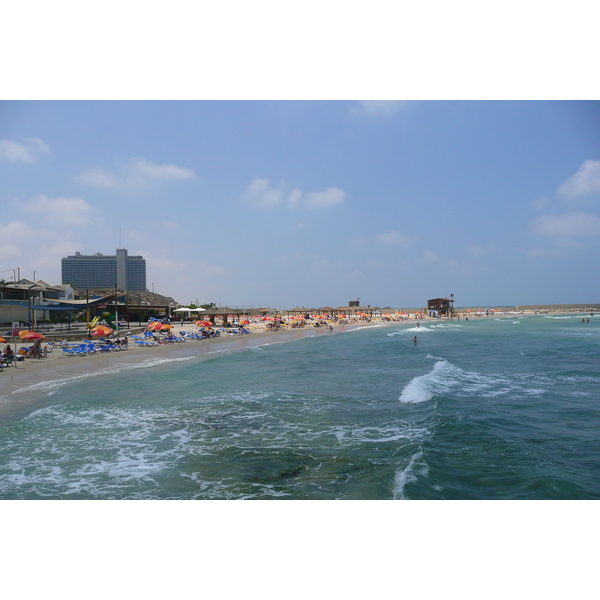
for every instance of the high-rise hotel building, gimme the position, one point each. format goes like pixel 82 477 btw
pixel 103 271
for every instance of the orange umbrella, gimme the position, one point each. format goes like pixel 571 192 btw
pixel 102 330
pixel 204 323
pixel 31 335
pixel 155 326
pixel 2 340
pixel 165 327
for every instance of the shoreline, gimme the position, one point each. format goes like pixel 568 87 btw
pixel 25 388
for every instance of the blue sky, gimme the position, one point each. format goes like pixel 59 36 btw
pixel 285 203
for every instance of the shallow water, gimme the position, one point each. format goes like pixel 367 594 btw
pixel 489 408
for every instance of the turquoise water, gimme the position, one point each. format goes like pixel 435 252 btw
pixel 485 409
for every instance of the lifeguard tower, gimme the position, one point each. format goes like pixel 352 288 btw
pixel 444 307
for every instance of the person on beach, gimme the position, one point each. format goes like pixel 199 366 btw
pixel 6 354
pixel 36 351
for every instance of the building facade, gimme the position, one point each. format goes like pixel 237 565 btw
pixel 105 271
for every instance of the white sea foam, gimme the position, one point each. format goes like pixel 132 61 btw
pixel 409 330
pixel 371 435
pixel 55 383
pixel 424 387
pixel 416 468
pixel 446 376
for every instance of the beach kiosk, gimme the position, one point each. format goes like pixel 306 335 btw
pixel 444 307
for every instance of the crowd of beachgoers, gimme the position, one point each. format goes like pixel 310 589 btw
pixel 162 332
pixel 102 340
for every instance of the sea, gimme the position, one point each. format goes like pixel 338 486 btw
pixel 480 409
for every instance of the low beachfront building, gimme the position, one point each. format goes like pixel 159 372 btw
pixel 26 300
pixel 210 314
pixel 444 307
pixel 301 310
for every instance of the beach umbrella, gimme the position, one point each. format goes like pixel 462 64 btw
pixel 102 330
pixel 204 323
pixel 165 327
pixel 31 335
pixel 2 340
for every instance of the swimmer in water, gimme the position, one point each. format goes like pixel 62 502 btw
pixel 415 339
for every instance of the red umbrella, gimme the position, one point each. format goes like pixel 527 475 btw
pixel 204 323
pixel 102 330
pixel 31 335
pixel 2 340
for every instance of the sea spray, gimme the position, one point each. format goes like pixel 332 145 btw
pixel 425 387
pixel 416 468
pixel 445 377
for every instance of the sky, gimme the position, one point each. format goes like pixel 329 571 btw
pixel 311 203
pixel 269 154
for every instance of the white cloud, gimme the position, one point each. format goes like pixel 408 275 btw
pixel 430 256
pixel 74 212
pixel 48 256
pixel 583 183
pixel 22 152
pixel 262 195
pixel 137 173
pixel 567 225
pixel 13 236
pixel 147 169
pixel 35 249
pixel 98 178
pixel 394 238
pixel 377 108
pixel 163 265
pixel 295 197
pixel 330 197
